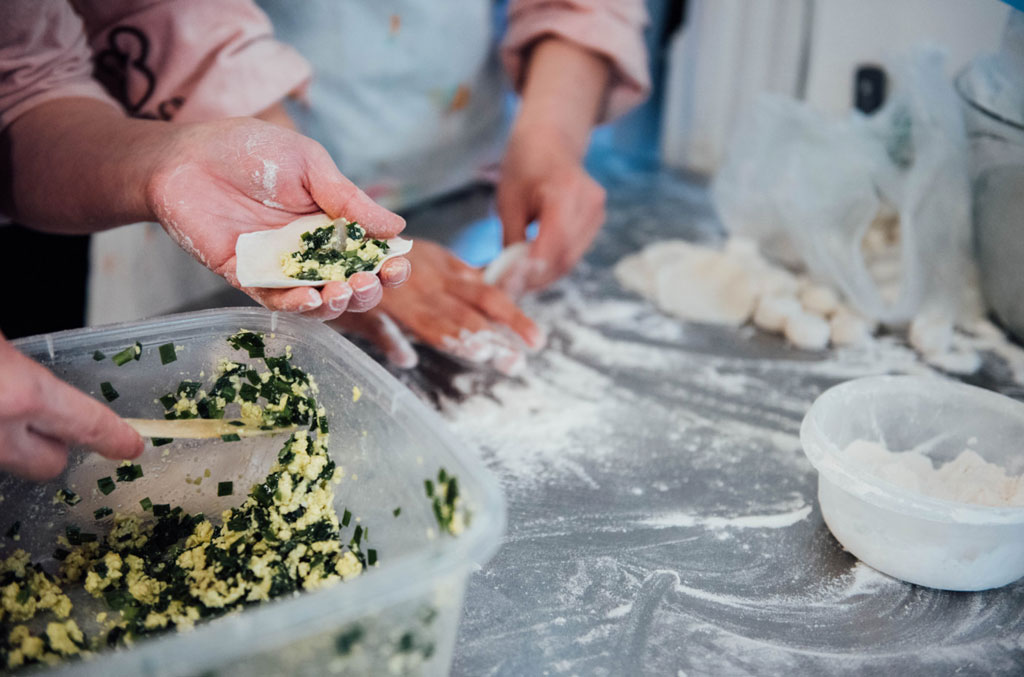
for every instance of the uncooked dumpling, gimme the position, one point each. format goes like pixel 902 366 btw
pixel 258 255
pixel 807 331
pixel 773 311
pixel 705 286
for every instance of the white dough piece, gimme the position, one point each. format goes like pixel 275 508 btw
pixel 635 276
pixel 807 331
pixel 848 328
pixel 957 361
pixel 774 281
pixel 706 286
pixel 743 249
pixel 258 255
pixel 508 257
pixel 819 299
pixel 773 311
pixel 637 272
pixel 931 333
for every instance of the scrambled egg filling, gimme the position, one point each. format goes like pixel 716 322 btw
pixel 324 256
pixel 176 569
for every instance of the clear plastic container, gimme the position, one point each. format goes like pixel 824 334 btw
pixel 400 617
pixel 920 539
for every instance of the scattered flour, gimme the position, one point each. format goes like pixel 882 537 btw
pixel 270 170
pixel 968 478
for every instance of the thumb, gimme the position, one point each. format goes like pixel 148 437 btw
pixel 513 214
pixel 338 196
pixel 71 416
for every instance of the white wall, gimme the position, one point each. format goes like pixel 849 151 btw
pixel 847 34
pixel 731 50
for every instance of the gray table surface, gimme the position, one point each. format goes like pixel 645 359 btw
pixel 662 517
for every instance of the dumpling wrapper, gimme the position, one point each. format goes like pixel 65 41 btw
pixel 258 255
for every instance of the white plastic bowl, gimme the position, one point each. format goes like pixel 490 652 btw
pixel 923 540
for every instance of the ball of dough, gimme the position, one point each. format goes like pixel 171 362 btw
pixel 807 331
pixel 633 275
pixel 931 333
pixel 773 311
pixel 706 287
pixel 819 300
pixel 848 329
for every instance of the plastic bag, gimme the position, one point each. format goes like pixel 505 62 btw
pixel 809 187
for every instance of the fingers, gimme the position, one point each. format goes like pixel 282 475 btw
pixel 291 300
pixel 568 225
pixel 395 271
pixel 498 308
pixel 512 210
pixel 69 415
pixel 34 457
pixel 338 196
pixel 454 327
pixel 378 328
pixel 366 292
pixel 335 297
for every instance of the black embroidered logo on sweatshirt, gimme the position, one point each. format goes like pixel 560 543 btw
pixel 122 65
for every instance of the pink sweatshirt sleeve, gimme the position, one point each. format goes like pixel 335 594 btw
pixel 190 60
pixel 611 28
pixel 43 56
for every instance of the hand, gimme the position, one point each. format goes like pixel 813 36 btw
pixel 542 178
pixel 226 178
pixel 447 305
pixel 41 416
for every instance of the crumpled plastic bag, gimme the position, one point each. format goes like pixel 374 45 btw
pixel 808 188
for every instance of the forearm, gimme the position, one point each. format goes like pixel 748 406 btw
pixel 564 91
pixel 79 165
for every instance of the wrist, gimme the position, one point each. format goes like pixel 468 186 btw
pixel 563 92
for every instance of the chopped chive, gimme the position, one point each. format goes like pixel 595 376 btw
pixel 124 357
pixel 397 511
pixel 230 437
pixel 87 537
pixel 225 488
pixel 236 423
pixel 161 441
pixel 357 535
pixel 442 475
pixel 168 400
pixel 106 485
pixel 346 518
pixel 429 486
pixel 371 557
pixel 100 513
pixel 167 353
pixel 161 509
pixel 452 492
pixel 98 356
pixel 146 503
pixel 251 342
pixel 60 554
pixel 14 530
pixel 69 497
pixel 108 391
pixel 23 594
pixel 129 473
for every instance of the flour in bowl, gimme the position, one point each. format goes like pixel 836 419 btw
pixel 968 478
